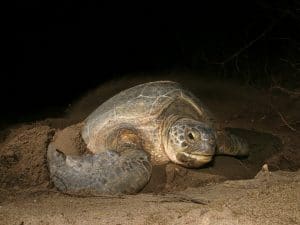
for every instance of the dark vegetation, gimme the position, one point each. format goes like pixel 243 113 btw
pixel 54 53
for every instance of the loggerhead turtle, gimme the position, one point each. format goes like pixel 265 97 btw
pixel 149 124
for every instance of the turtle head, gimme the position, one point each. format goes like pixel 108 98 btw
pixel 190 143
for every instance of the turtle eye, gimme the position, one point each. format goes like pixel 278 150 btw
pixel 191 136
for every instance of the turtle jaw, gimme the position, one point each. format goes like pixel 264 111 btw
pixel 193 160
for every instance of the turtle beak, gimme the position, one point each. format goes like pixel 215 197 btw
pixel 205 148
pixel 193 160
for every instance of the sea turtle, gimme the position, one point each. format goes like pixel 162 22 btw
pixel 149 124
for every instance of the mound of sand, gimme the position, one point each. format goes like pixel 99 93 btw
pixel 22 159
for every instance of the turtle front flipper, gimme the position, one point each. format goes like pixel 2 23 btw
pixel 108 172
pixel 230 144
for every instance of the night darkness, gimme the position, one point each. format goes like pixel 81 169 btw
pixel 54 53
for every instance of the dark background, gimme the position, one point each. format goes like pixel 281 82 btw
pixel 54 53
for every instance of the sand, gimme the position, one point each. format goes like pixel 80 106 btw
pixel 263 188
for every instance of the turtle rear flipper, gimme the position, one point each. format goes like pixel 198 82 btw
pixel 230 144
pixel 107 172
